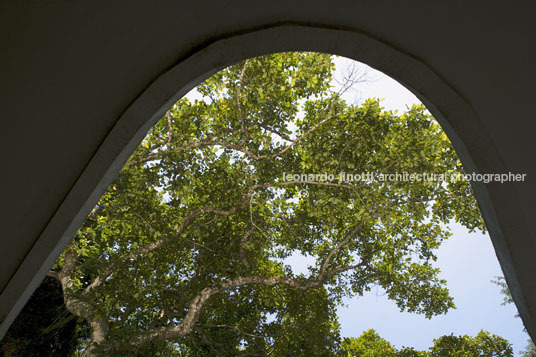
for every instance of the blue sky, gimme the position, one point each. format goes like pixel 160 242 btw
pixel 468 263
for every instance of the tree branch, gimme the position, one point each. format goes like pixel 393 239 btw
pixel 237 329
pixel 225 144
pixel 98 325
pixel 295 141
pixel 196 305
pixel 338 247
pixel 53 274
pixel 274 131
pixel 243 241
pixel 170 128
pixel 160 242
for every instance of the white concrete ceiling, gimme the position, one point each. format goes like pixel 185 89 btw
pixel 81 82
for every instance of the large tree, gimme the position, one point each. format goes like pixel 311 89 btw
pixel 185 252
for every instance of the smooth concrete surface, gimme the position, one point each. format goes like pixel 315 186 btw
pixel 82 82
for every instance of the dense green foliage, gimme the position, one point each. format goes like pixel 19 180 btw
pixel 185 252
pixel 484 344
pixel 369 344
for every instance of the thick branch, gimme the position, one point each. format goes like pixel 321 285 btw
pixel 53 274
pixel 196 305
pixel 99 326
pixel 70 258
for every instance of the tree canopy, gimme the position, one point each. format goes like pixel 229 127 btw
pixel 185 252
pixel 370 343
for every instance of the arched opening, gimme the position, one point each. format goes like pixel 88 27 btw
pixel 453 112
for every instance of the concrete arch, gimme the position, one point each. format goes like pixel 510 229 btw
pixel 453 111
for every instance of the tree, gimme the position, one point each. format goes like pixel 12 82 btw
pixel 484 344
pixel 369 344
pixel 44 327
pixel 184 253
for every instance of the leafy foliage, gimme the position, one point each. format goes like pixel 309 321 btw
pixel 184 254
pixel 369 344
pixel 484 344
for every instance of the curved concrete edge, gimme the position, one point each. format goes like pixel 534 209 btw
pixel 454 113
